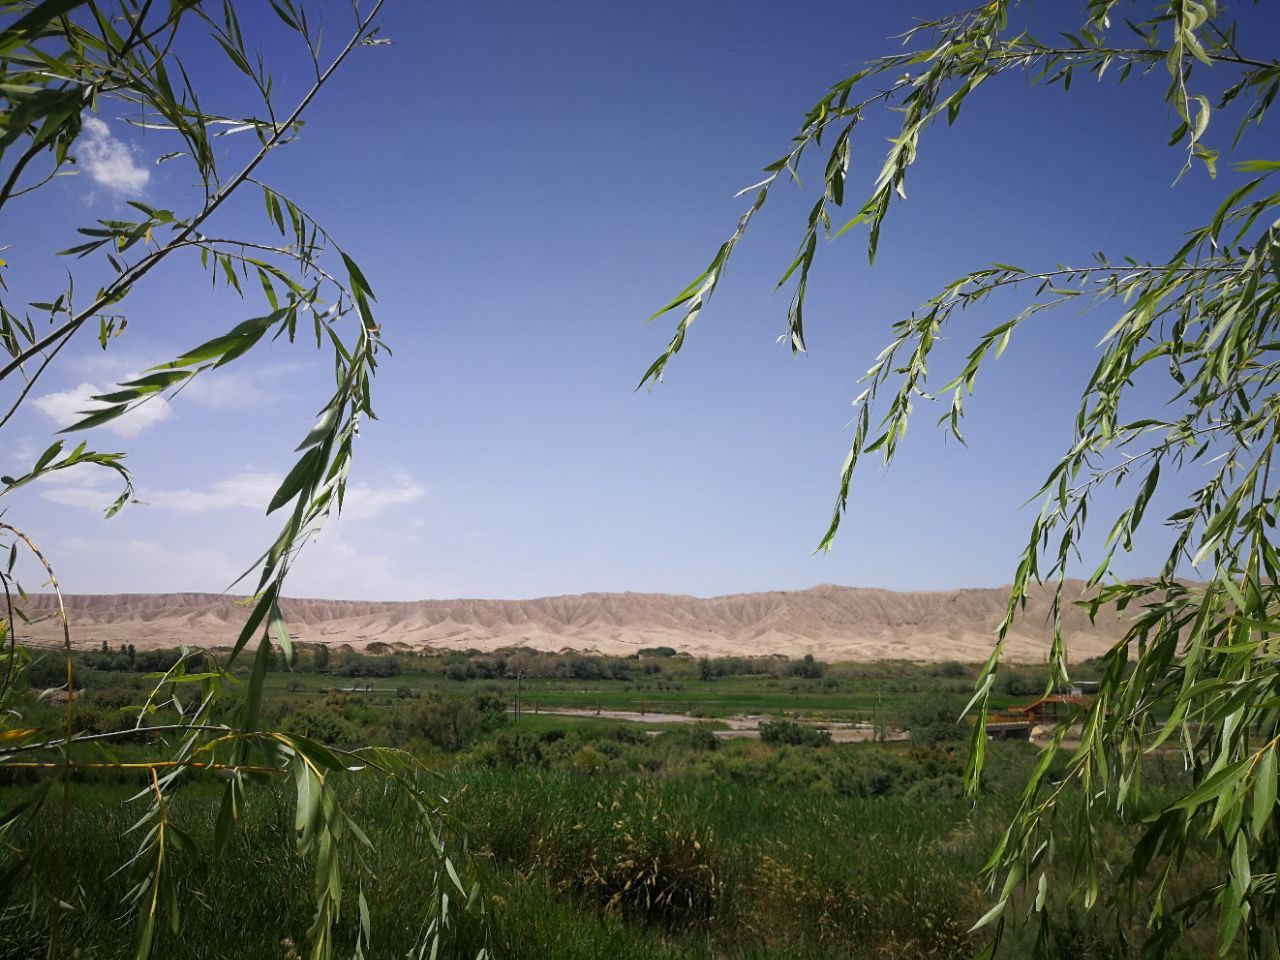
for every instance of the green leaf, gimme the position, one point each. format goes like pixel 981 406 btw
pixel 45 458
pixel 257 680
pixel 286 17
pixel 366 924
pixel 281 632
pixel 260 608
pixel 1264 793
pixel 1229 921
pixel 97 418
pixel 357 278
pixel 36 20
pixel 1240 874
pixel 1202 117
pixel 304 473
pixel 323 426
pixel 684 295
pixel 990 915
pixel 1214 787
pixel 318 754
pixel 240 338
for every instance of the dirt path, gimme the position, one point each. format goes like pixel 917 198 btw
pixel 740 727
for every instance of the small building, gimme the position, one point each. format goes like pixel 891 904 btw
pixel 1018 723
pixel 1052 708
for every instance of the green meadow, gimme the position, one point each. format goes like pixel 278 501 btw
pixel 583 837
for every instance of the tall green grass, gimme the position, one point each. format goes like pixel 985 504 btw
pixel 592 838
pixel 576 865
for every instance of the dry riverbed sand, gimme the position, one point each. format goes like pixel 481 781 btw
pixel 736 728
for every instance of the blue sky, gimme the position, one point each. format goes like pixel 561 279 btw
pixel 523 185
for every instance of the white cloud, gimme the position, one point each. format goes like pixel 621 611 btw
pixel 112 365
pixel 87 486
pixel 65 407
pixel 141 566
pixel 363 502
pixel 331 567
pixel 24 452
pixel 245 389
pixel 81 475
pixel 89 498
pixel 254 490
pixel 242 490
pixel 93 489
pixel 108 160
pixel 240 388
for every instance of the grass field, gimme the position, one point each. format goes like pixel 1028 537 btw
pixel 883 692
pixel 723 697
pixel 589 838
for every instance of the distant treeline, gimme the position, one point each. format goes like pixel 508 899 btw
pixel 653 663
pixel 49 667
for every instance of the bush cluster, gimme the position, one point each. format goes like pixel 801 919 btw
pixel 792 733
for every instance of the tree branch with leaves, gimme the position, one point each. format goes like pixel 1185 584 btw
pixel 1198 669
pixel 64 61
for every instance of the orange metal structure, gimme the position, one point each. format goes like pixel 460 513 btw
pixel 1018 722
pixel 1045 707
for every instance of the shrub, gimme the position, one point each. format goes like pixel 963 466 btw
pixel 867 780
pixel 587 759
pixel 453 723
pixel 695 736
pixel 325 720
pixel 459 670
pixel 946 787
pixel 624 733
pixel 120 692
pixel 511 749
pixel 1014 683
pixel 936 720
pixel 91 719
pixel 808 667
pixel 359 665
pixel 45 671
pixel 949 670
pixel 634 855
pixel 777 732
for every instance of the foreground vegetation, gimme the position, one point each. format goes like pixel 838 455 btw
pixel 1205 677
pixel 587 837
pixel 1178 415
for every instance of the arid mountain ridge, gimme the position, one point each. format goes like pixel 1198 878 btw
pixel 828 621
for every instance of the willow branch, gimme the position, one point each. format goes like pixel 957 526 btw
pixel 118 287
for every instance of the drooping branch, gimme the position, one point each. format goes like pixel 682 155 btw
pixel 121 284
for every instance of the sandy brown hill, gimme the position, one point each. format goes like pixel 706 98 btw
pixel 831 622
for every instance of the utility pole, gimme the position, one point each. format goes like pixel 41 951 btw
pixel 877 728
pixel 519 692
